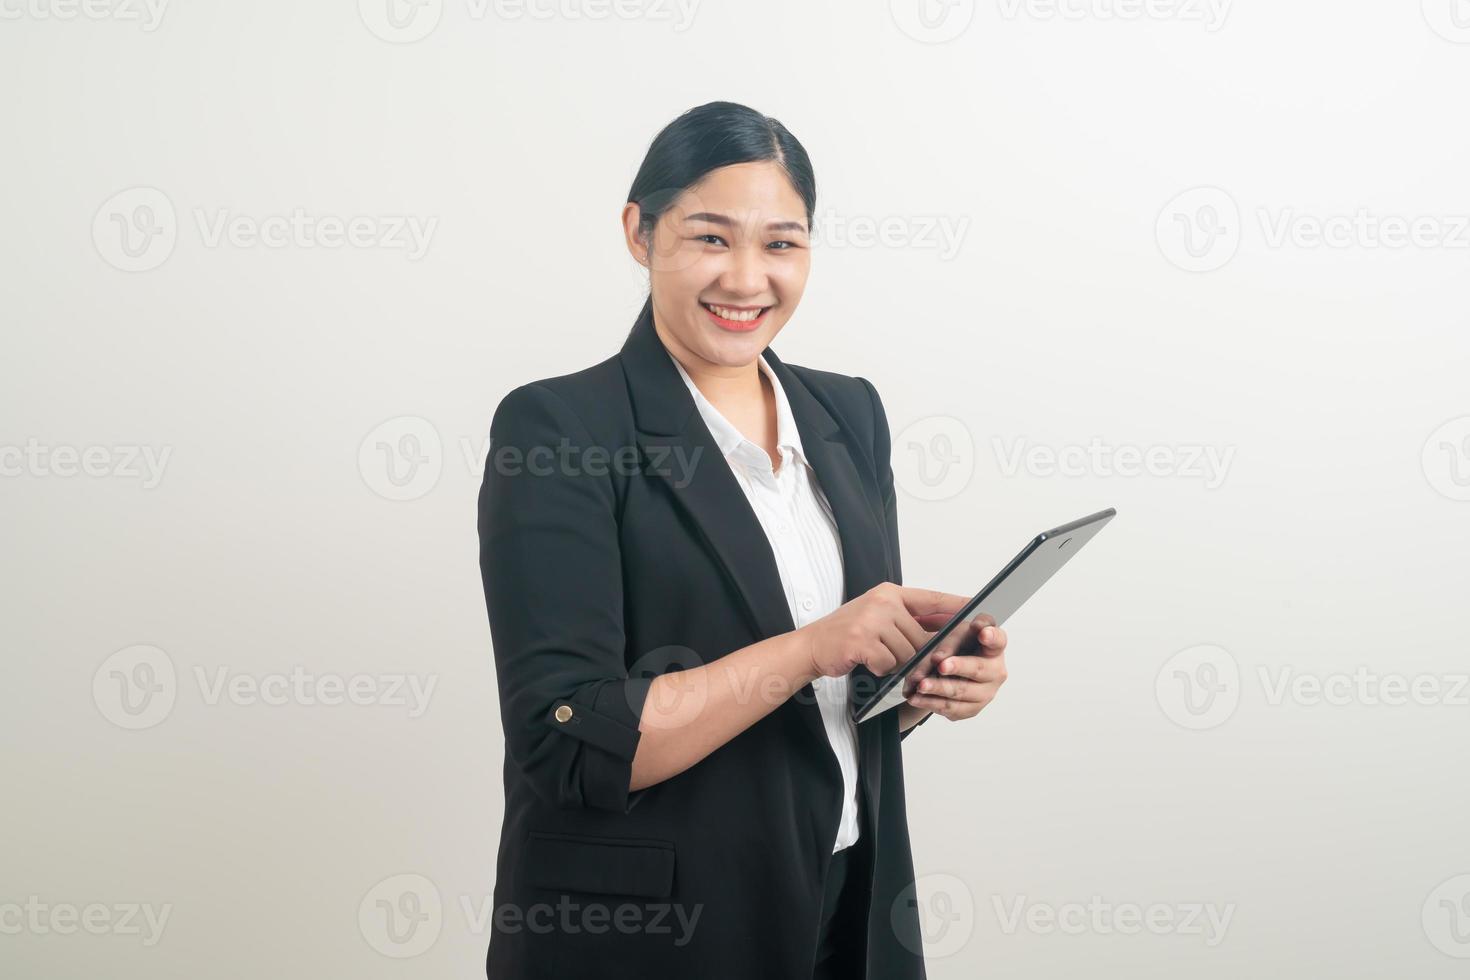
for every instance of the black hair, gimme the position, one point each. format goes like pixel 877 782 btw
pixel 707 137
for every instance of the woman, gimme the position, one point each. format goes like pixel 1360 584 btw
pixel 690 556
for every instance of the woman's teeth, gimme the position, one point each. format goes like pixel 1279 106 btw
pixel 742 316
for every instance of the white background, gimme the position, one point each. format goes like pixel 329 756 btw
pixel 1095 303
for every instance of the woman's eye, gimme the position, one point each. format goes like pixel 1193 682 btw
pixel 713 239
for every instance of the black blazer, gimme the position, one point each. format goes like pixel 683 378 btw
pixel 615 544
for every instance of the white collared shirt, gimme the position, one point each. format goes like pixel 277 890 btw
pixel 798 522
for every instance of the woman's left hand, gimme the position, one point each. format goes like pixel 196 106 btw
pixel 965 683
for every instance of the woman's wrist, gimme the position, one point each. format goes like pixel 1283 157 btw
pixel 797 652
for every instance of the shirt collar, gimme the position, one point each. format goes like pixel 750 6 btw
pixel 730 439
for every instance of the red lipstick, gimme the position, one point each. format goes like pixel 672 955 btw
pixel 737 326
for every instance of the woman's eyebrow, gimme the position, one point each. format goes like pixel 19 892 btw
pixel 720 219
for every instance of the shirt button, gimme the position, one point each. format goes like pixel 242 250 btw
pixel 784 528
pixel 807 603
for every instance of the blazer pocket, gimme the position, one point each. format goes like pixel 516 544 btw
pixel 611 865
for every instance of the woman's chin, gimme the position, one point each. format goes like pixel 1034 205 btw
pixel 733 351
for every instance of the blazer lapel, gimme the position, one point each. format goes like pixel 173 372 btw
pixel 668 423
pixel 669 428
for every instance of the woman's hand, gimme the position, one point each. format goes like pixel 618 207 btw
pixel 965 683
pixel 880 629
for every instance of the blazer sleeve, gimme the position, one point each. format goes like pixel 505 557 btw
pixel 883 460
pixel 552 571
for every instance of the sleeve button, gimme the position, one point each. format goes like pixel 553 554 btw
pixel 564 713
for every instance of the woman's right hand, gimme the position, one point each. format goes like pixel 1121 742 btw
pixel 880 629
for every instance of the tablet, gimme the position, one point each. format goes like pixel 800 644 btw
pixel 1016 583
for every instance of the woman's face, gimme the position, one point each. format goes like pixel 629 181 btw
pixel 728 263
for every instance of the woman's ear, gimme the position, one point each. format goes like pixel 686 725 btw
pixel 633 238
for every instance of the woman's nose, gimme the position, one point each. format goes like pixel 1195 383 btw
pixel 745 275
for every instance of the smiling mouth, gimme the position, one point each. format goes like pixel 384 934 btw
pixel 735 314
